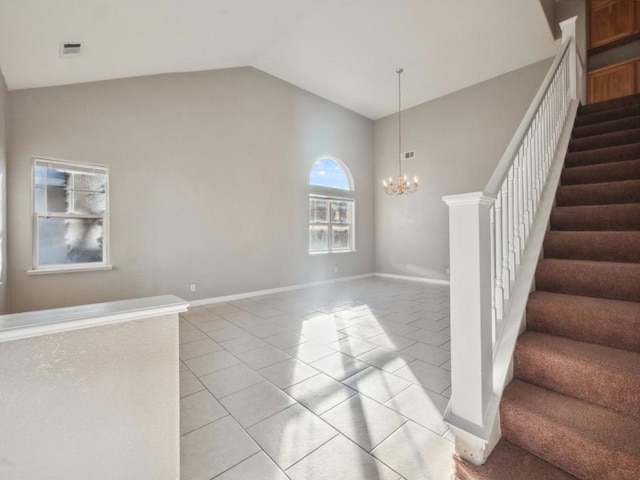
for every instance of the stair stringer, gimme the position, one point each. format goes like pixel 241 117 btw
pixel 474 444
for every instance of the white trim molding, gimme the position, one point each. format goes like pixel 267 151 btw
pixel 17 326
pixel 432 281
pixel 271 291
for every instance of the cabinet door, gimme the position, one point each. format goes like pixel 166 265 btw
pixel 612 82
pixel 610 20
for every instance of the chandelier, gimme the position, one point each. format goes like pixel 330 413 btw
pixel 401 185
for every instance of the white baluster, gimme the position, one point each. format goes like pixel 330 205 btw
pixel 506 274
pixel 492 279
pixel 498 291
pixel 512 225
pixel 521 207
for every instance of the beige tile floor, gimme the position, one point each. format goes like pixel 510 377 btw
pixel 347 381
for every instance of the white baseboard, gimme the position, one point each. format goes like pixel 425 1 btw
pixel 270 291
pixel 433 281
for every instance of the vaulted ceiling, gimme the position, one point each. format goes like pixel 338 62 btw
pixel 346 51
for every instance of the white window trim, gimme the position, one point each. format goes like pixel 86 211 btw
pixel 76 267
pixel 329 195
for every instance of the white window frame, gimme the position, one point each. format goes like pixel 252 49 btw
pixel 75 267
pixel 330 223
pixel 327 193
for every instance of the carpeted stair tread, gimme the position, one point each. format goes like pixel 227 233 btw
pixel 602 246
pixel 597 217
pixel 617 153
pixel 612 323
pixel 616 125
pixel 606 193
pixel 607 376
pixel 613 280
pixel 604 172
pixel 606 115
pixel 627 100
pixel 510 462
pixel 605 140
pixel 598 246
pixel 588 441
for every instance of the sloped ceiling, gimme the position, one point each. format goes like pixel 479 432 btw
pixel 346 51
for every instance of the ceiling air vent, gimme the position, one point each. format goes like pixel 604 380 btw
pixel 70 49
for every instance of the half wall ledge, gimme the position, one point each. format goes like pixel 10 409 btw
pixel 17 326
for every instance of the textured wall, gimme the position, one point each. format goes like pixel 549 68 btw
pixel 99 403
pixel 458 139
pixel 209 175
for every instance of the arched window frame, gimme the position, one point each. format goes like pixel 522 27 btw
pixel 339 228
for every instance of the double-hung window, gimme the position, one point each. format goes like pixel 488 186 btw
pixel 70 216
pixel 331 208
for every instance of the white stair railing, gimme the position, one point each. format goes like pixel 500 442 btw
pixel 495 241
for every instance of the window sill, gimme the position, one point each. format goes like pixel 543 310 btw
pixel 73 269
pixel 313 254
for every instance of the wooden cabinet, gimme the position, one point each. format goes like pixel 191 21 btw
pixel 612 20
pixel 614 81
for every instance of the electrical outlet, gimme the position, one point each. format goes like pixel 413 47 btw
pixel 193 287
pixel 448 272
pixel 335 269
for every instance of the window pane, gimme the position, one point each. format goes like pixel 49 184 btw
pixel 318 238
pixel 318 210
pixel 329 173
pixel 69 191
pixel 340 212
pixel 341 237
pixel 89 203
pixel 39 201
pixel 92 182
pixel 65 241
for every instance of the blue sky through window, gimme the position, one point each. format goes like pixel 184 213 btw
pixel 329 173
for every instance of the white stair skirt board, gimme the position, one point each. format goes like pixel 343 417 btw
pixel 259 293
pixel 433 281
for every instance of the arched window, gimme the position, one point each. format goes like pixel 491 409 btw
pixel 330 173
pixel 331 213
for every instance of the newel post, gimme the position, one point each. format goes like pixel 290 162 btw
pixel 568 28
pixel 471 314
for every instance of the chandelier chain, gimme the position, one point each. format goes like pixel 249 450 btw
pixel 399 72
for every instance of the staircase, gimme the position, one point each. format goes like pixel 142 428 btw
pixel 572 410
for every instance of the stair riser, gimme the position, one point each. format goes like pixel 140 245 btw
pixel 603 155
pixel 593 323
pixel 560 446
pixel 606 116
pixel 599 194
pixel 609 105
pixel 610 172
pixel 607 140
pixel 596 218
pixel 619 281
pixel 597 246
pixel 580 379
pixel 606 127
pixel 507 462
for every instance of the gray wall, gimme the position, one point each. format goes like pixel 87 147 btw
pixel 565 9
pixel 209 175
pixel 3 193
pixel 99 403
pixel 458 140
pixel 548 6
